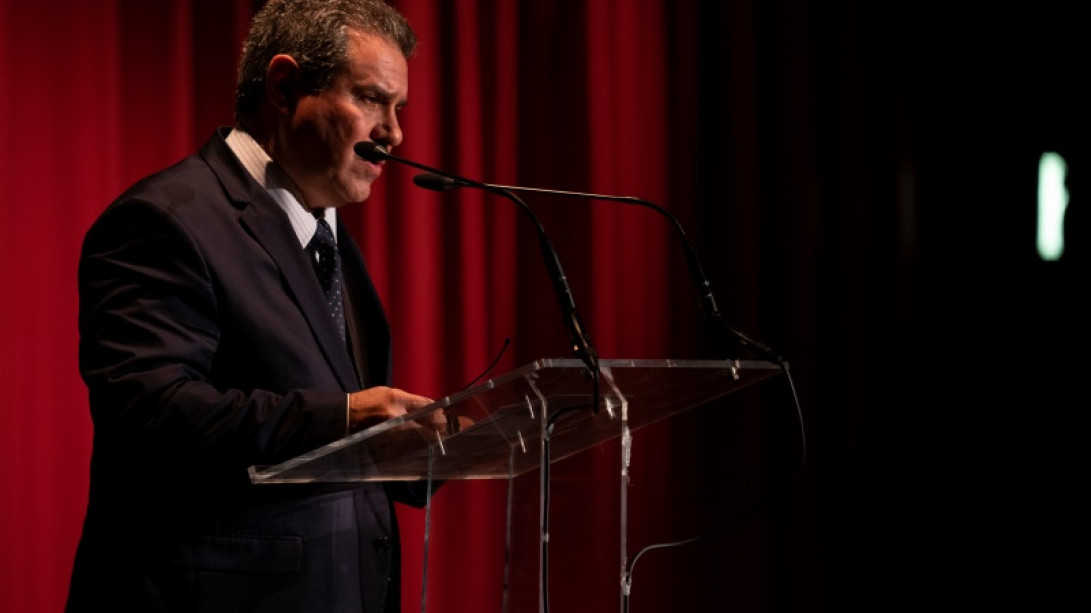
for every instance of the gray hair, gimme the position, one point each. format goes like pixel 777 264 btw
pixel 315 34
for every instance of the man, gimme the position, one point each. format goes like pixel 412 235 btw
pixel 215 335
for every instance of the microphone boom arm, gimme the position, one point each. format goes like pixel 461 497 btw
pixel 580 342
pixel 700 280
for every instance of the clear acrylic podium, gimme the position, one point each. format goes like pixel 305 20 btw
pixel 509 414
pixel 525 419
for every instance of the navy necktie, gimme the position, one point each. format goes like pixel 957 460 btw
pixel 327 264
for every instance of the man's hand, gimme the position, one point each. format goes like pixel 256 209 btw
pixel 377 404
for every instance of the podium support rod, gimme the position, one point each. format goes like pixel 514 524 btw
pixel 427 527
pixel 507 530
pixel 622 409
pixel 543 497
pixel 626 455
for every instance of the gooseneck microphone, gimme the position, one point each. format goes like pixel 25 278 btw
pixel 725 335
pixel 581 344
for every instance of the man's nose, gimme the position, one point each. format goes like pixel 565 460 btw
pixel 388 131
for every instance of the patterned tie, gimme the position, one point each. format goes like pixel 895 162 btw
pixel 327 264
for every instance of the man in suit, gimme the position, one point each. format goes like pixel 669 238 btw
pixel 217 333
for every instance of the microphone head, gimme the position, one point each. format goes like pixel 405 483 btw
pixel 435 182
pixel 371 151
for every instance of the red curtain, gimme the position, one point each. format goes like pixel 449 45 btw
pixel 562 95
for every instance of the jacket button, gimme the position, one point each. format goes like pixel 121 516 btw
pixel 382 544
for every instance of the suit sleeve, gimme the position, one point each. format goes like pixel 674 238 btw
pixel 151 325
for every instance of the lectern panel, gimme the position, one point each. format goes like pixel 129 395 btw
pixel 495 430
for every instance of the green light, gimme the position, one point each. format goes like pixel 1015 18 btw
pixel 1052 202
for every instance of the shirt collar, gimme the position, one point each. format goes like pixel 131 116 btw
pixel 278 185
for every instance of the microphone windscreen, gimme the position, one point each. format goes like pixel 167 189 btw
pixel 370 151
pixel 435 182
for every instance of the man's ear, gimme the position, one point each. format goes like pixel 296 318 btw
pixel 282 82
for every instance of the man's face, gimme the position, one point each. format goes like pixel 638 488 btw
pixel 361 103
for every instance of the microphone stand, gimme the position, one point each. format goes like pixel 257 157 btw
pixel 726 338
pixel 725 334
pixel 581 344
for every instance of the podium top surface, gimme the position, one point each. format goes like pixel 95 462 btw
pixel 496 429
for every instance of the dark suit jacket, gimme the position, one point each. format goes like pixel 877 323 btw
pixel 206 348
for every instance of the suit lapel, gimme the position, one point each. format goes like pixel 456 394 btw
pixel 369 330
pixel 267 223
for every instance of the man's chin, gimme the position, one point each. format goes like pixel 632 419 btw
pixel 358 193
